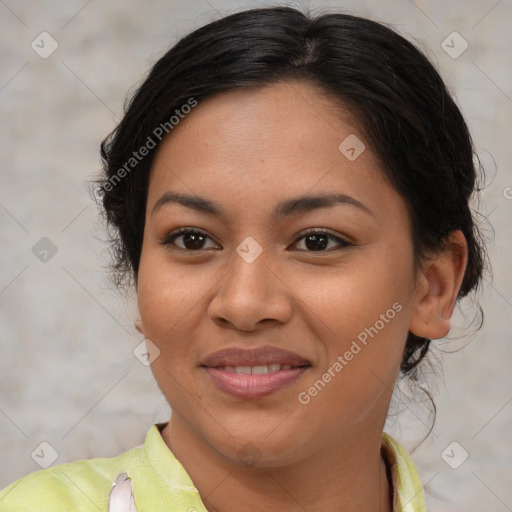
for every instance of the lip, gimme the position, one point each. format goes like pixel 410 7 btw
pixel 237 356
pixel 245 386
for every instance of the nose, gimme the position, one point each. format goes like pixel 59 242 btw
pixel 251 295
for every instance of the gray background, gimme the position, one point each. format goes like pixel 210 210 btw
pixel 68 375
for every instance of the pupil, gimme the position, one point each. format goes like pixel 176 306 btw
pixel 193 241
pixel 318 242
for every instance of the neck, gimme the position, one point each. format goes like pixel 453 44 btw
pixel 346 476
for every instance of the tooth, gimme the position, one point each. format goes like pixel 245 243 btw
pixel 258 370
pixel 246 370
pixel 285 367
pixel 274 367
pixel 230 369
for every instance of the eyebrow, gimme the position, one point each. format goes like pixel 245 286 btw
pixel 293 206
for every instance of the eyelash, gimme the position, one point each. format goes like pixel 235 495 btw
pixel 169 239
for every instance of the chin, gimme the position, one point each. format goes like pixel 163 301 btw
pixel 257 447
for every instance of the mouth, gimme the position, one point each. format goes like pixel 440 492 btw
pixel 256 370
pixel 254 373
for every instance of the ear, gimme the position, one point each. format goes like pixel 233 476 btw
pixel 438 284
pixel 138 325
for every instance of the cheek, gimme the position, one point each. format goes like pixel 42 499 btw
pixel 353 297
pixel 367 309
pixel 360 362
pixel 168 303
pixel 172 301
pixel 165 295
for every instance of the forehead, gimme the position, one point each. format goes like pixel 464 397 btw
pixel 251 146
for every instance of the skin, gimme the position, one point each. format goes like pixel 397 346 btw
pixel 281 141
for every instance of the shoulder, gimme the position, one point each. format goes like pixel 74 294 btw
pixel 84 485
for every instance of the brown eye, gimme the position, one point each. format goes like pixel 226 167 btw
pixel 191 240
pixel 318 241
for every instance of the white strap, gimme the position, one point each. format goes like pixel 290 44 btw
pixel 121 496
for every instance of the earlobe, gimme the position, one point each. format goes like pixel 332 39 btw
pixel 438 287
pixel 138 325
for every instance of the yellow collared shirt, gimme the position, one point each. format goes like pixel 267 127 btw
pixel 158 482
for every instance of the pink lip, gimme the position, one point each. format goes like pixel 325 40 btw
pixel 253 386
pixel 237 356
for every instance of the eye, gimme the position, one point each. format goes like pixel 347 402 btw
pixel 191 239
pixel 318 241
pixel 194 240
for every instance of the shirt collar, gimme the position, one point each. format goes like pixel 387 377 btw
pixel 408 494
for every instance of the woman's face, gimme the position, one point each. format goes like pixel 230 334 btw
pixel 315 324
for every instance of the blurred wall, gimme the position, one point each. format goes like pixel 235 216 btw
pixel 68 375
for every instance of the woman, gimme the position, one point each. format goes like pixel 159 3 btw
pixel 290 196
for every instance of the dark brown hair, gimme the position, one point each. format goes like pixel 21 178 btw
pixel 407 115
